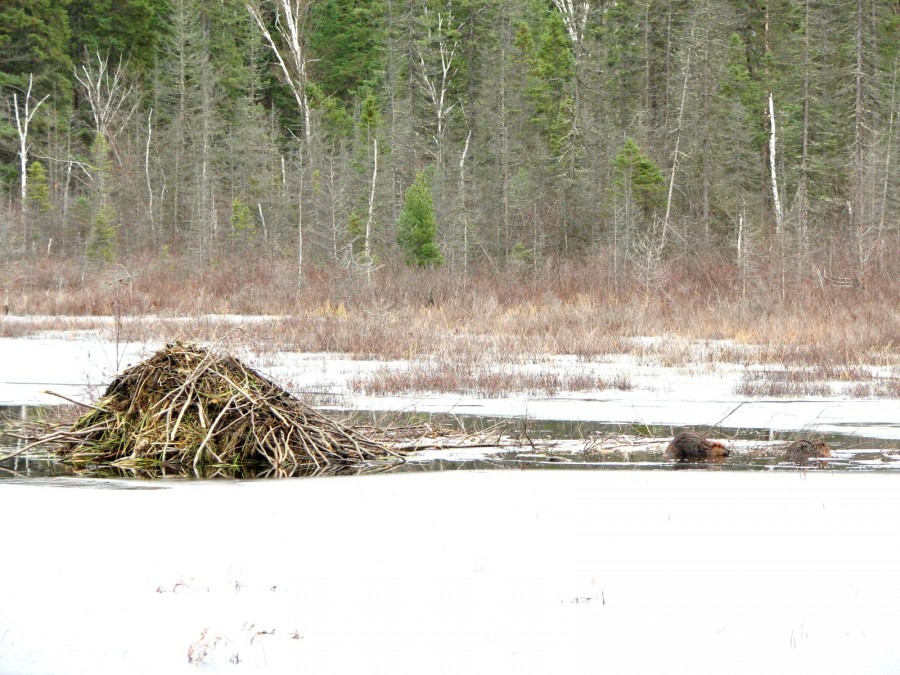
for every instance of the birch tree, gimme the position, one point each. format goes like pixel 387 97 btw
pixel 289 48
pixel 290 52
pixel 437 73
pixel 106 92
pixel 24 112
pixel 575 16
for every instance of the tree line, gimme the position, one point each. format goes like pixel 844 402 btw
pixel 457 132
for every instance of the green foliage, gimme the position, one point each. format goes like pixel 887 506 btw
pixel 38 189
pixel 356 229
pixel 369 113
pixel 242 225
pixel 346 39
pixel 521 254
pixel 80 215
pixel 639 177
pixel 34 38
pixel 126 29
pixel 336 121
pixel 102 242
pixel 417 227
pixel 552 66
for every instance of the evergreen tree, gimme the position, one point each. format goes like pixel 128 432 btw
pixel 346 39
pixel 101 245
pixel 639 178
pixel 417 227
pixel 130 30
pixel 38 189
pixel 34 37
pixel 552 69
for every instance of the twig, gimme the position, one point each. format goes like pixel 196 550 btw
pixel 72 400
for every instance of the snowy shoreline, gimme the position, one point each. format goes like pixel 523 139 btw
pixel 79 364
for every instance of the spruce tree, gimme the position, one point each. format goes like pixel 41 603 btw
pixel 417 227
pixel 639 178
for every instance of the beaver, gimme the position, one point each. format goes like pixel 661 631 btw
pixel 800 451
pixel 691 445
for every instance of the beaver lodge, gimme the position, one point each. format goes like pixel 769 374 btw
pixel 187 408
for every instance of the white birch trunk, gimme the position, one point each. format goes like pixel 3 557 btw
pixel 366 244
pixel 776 199
pixel 291 54
pixel 24 115
pixel 684 88
pixel 575 16
pixel 437 86
pixel 147 167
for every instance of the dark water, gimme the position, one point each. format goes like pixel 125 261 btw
pixel 528 444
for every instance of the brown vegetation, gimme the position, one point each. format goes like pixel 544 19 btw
pixel 493 317
pixel 186 407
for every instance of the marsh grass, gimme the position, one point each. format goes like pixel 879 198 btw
pixel 479 325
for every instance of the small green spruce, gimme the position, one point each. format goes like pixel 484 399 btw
pixel 417 227
pixel 102 241
pixel 639 175
pixel 38 189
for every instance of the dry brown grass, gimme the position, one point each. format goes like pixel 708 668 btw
pixel 476 326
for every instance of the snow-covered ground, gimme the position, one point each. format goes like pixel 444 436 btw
pixel 79 363
pixel 455 572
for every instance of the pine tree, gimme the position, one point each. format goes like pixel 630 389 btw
pixel 34 37
pixel 346 40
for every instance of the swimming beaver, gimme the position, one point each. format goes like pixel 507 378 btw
pixel 800 451
pixel 691 445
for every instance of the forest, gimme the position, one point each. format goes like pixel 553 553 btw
pixel 753 141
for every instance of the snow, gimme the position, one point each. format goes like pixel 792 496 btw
pixel 454 572
pixel 458 571
pixel 79 363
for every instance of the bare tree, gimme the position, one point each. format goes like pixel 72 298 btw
pixel 776 199
pixel 436 79
pixel 24 113
pixel 575 16
pixel 107 92
pixel 370 217
pixel 289 49
pixel 684 89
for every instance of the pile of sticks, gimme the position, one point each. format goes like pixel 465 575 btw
pixel 186 407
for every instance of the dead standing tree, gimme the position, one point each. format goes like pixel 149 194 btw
pixel 437 78
pixel 290 52
pixel 575 16
pixel 107 93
